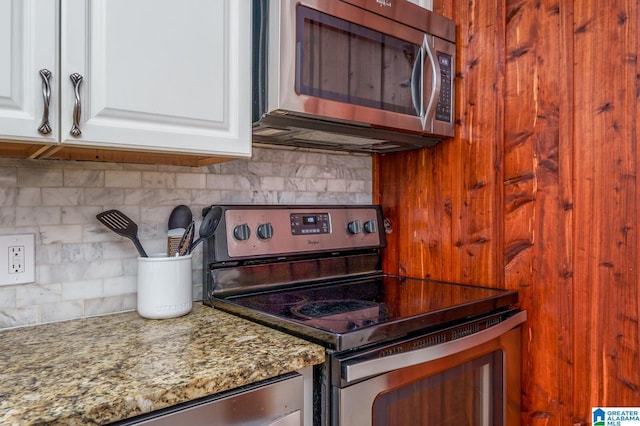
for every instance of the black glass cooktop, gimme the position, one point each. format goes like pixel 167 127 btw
pixel 353 313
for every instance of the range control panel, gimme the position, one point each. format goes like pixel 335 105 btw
pixel 310 223
pixel 250 231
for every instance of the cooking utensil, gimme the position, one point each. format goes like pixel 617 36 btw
pixel 208 226
pixel 179 220
pixel 180 217
pixel 174 236
pixel 191 235
pixel 119 223
pixel 186 240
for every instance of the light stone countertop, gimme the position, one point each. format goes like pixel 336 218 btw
pixel 103 369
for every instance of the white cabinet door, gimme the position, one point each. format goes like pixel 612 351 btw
pixel 157 75
pixel 28 44
pixel 168 75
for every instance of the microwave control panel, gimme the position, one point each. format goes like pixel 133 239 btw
pixel 443 109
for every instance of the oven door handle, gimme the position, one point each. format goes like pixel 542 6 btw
pixel 361 370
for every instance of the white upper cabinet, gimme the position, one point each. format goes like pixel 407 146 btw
pixel 159 75
pixel 28 44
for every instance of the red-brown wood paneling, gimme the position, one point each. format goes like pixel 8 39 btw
pixel 605 235
pixel 441 201
pixel 537 192
pixel 538 198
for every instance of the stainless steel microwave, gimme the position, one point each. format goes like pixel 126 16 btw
pixel 370 76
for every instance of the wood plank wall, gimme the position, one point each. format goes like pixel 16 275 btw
pixel 537 192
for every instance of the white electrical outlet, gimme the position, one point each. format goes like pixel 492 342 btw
pixel 17 259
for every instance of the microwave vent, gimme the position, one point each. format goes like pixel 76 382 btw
pixel 298 131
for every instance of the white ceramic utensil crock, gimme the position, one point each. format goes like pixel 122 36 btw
pixel 164 286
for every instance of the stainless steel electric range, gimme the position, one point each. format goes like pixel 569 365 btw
pixel 400 350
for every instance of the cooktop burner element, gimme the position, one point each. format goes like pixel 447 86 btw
pixel 338 315
pixel 329 308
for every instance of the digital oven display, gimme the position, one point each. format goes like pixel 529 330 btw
pixel 310 223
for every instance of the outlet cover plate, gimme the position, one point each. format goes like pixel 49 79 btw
pixel 22 240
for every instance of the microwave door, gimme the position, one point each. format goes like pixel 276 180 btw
pixel 347 71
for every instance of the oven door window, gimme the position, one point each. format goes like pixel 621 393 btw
pixel 469 394
pixel 348 63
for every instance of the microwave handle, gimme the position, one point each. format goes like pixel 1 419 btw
pixel 416 83
pixel 363 369
pixel 436 84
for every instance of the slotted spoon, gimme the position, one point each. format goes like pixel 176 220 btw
pixel 119 223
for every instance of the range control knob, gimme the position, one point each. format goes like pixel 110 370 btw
pixel 353 227
pixel 241 232
pixel 265 231
pixel 370 227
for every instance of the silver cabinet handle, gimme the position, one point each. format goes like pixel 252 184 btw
pixel 45 127
pixel 76 79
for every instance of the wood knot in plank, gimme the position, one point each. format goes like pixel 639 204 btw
pixel 622 18
pixel 605 108
pixel 447 207
pixel 515 54
pixel 582 28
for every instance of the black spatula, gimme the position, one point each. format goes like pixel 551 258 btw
pixel 119 223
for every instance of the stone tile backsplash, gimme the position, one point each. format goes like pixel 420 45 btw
pixel 83 269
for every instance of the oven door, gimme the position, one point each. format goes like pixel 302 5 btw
pixel 474 381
